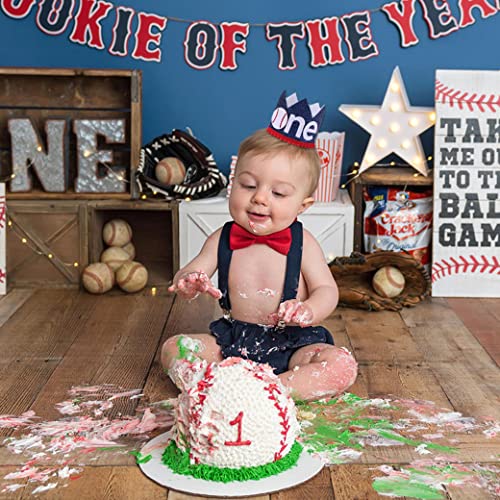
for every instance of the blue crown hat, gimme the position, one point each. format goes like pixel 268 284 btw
pixel 296 122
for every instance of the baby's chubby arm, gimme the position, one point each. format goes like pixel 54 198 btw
pixel 322 290
pixel 194 277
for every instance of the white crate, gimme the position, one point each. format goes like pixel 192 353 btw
pixel 331 223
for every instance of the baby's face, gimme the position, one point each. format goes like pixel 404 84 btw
pixel 268 192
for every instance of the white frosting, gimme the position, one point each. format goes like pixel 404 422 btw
pixel 236 395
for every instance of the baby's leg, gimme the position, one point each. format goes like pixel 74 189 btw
pixel 319 370
pixel 190 347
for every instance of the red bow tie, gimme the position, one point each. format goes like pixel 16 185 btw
pixel 241 238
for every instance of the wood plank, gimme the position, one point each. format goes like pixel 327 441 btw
pixel 320 486
pixel 176 495
pixel 353 482
pixel 462 367
pixel 380 336
pixel 124 483
pixel 34 341
pixel 408 381
pixel 14 300
pixel 482 320
pixel 116 346
pixel 467 492
pixel 185 317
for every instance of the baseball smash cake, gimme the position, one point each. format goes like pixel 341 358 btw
pixel 234 421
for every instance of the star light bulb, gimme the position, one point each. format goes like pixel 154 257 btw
pixel 375 120
pixel 395 106
pixel 394 127
pixel 413 122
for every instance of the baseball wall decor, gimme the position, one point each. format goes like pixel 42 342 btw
pixel 394 126
pixel 466 238
pixel 3 224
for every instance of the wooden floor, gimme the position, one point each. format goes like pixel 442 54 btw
pixel 446 351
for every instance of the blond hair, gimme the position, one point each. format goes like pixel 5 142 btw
pixel 261 142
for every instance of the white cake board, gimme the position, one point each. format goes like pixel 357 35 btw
pixel 306 468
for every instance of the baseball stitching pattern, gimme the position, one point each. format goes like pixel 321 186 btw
pixel 470 264
pixel 272 388
pixel 482 102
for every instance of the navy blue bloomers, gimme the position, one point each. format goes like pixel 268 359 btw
pixel 265 344
pixel 260 343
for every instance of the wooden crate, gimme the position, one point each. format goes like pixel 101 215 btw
pixel 155 234
pixel 40 94
pixel 380 176
pixel 44 241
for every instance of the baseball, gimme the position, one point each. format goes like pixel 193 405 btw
pixel 132 276
pixel 388 281
pixel 170 170
pixel 116 232
pixel 130 249
pixel 98 278
pixel 115 257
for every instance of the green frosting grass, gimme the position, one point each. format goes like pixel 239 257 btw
pixel 178 461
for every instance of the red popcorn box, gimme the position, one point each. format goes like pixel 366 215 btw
pixel 330 147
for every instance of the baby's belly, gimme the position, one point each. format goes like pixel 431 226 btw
pixel 256 289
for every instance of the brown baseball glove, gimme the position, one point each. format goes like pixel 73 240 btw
pixel 354 278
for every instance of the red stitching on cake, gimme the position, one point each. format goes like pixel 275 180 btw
pixel 272 388
pixel 483 102
pixel 469 264
pixel 195 412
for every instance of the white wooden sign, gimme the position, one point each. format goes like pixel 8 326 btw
pixel 466 234
pixel 3 227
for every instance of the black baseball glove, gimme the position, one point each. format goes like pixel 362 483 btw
pixel 202 178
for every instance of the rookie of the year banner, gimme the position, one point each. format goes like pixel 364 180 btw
pixel 466 237
pixel 330 40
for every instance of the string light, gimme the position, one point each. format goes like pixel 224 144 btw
pixel 153 291
pixel 33 246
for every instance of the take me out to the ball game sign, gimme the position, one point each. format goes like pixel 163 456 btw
pixel 466 239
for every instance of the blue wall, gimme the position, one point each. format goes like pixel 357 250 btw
pixel 223 107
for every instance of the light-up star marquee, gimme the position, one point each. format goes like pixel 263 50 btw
pixel 394 127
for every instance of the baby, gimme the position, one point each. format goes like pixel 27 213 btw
pixel 274 284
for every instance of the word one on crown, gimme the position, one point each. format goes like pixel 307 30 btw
pixel 297 120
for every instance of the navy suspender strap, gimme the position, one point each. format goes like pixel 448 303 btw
pixel 293 263
pixel 224 254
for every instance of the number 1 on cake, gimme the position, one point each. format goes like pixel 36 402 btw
pixel 238 442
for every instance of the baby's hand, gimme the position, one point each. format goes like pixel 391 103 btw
pixel 295 311
pixel 190 285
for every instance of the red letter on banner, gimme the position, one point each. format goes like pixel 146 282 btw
pixel 143 37
pixel 401 14
pixel 22 9
pixel 317 43
pixel 87 21
pixel 229 45
pixel 466 7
